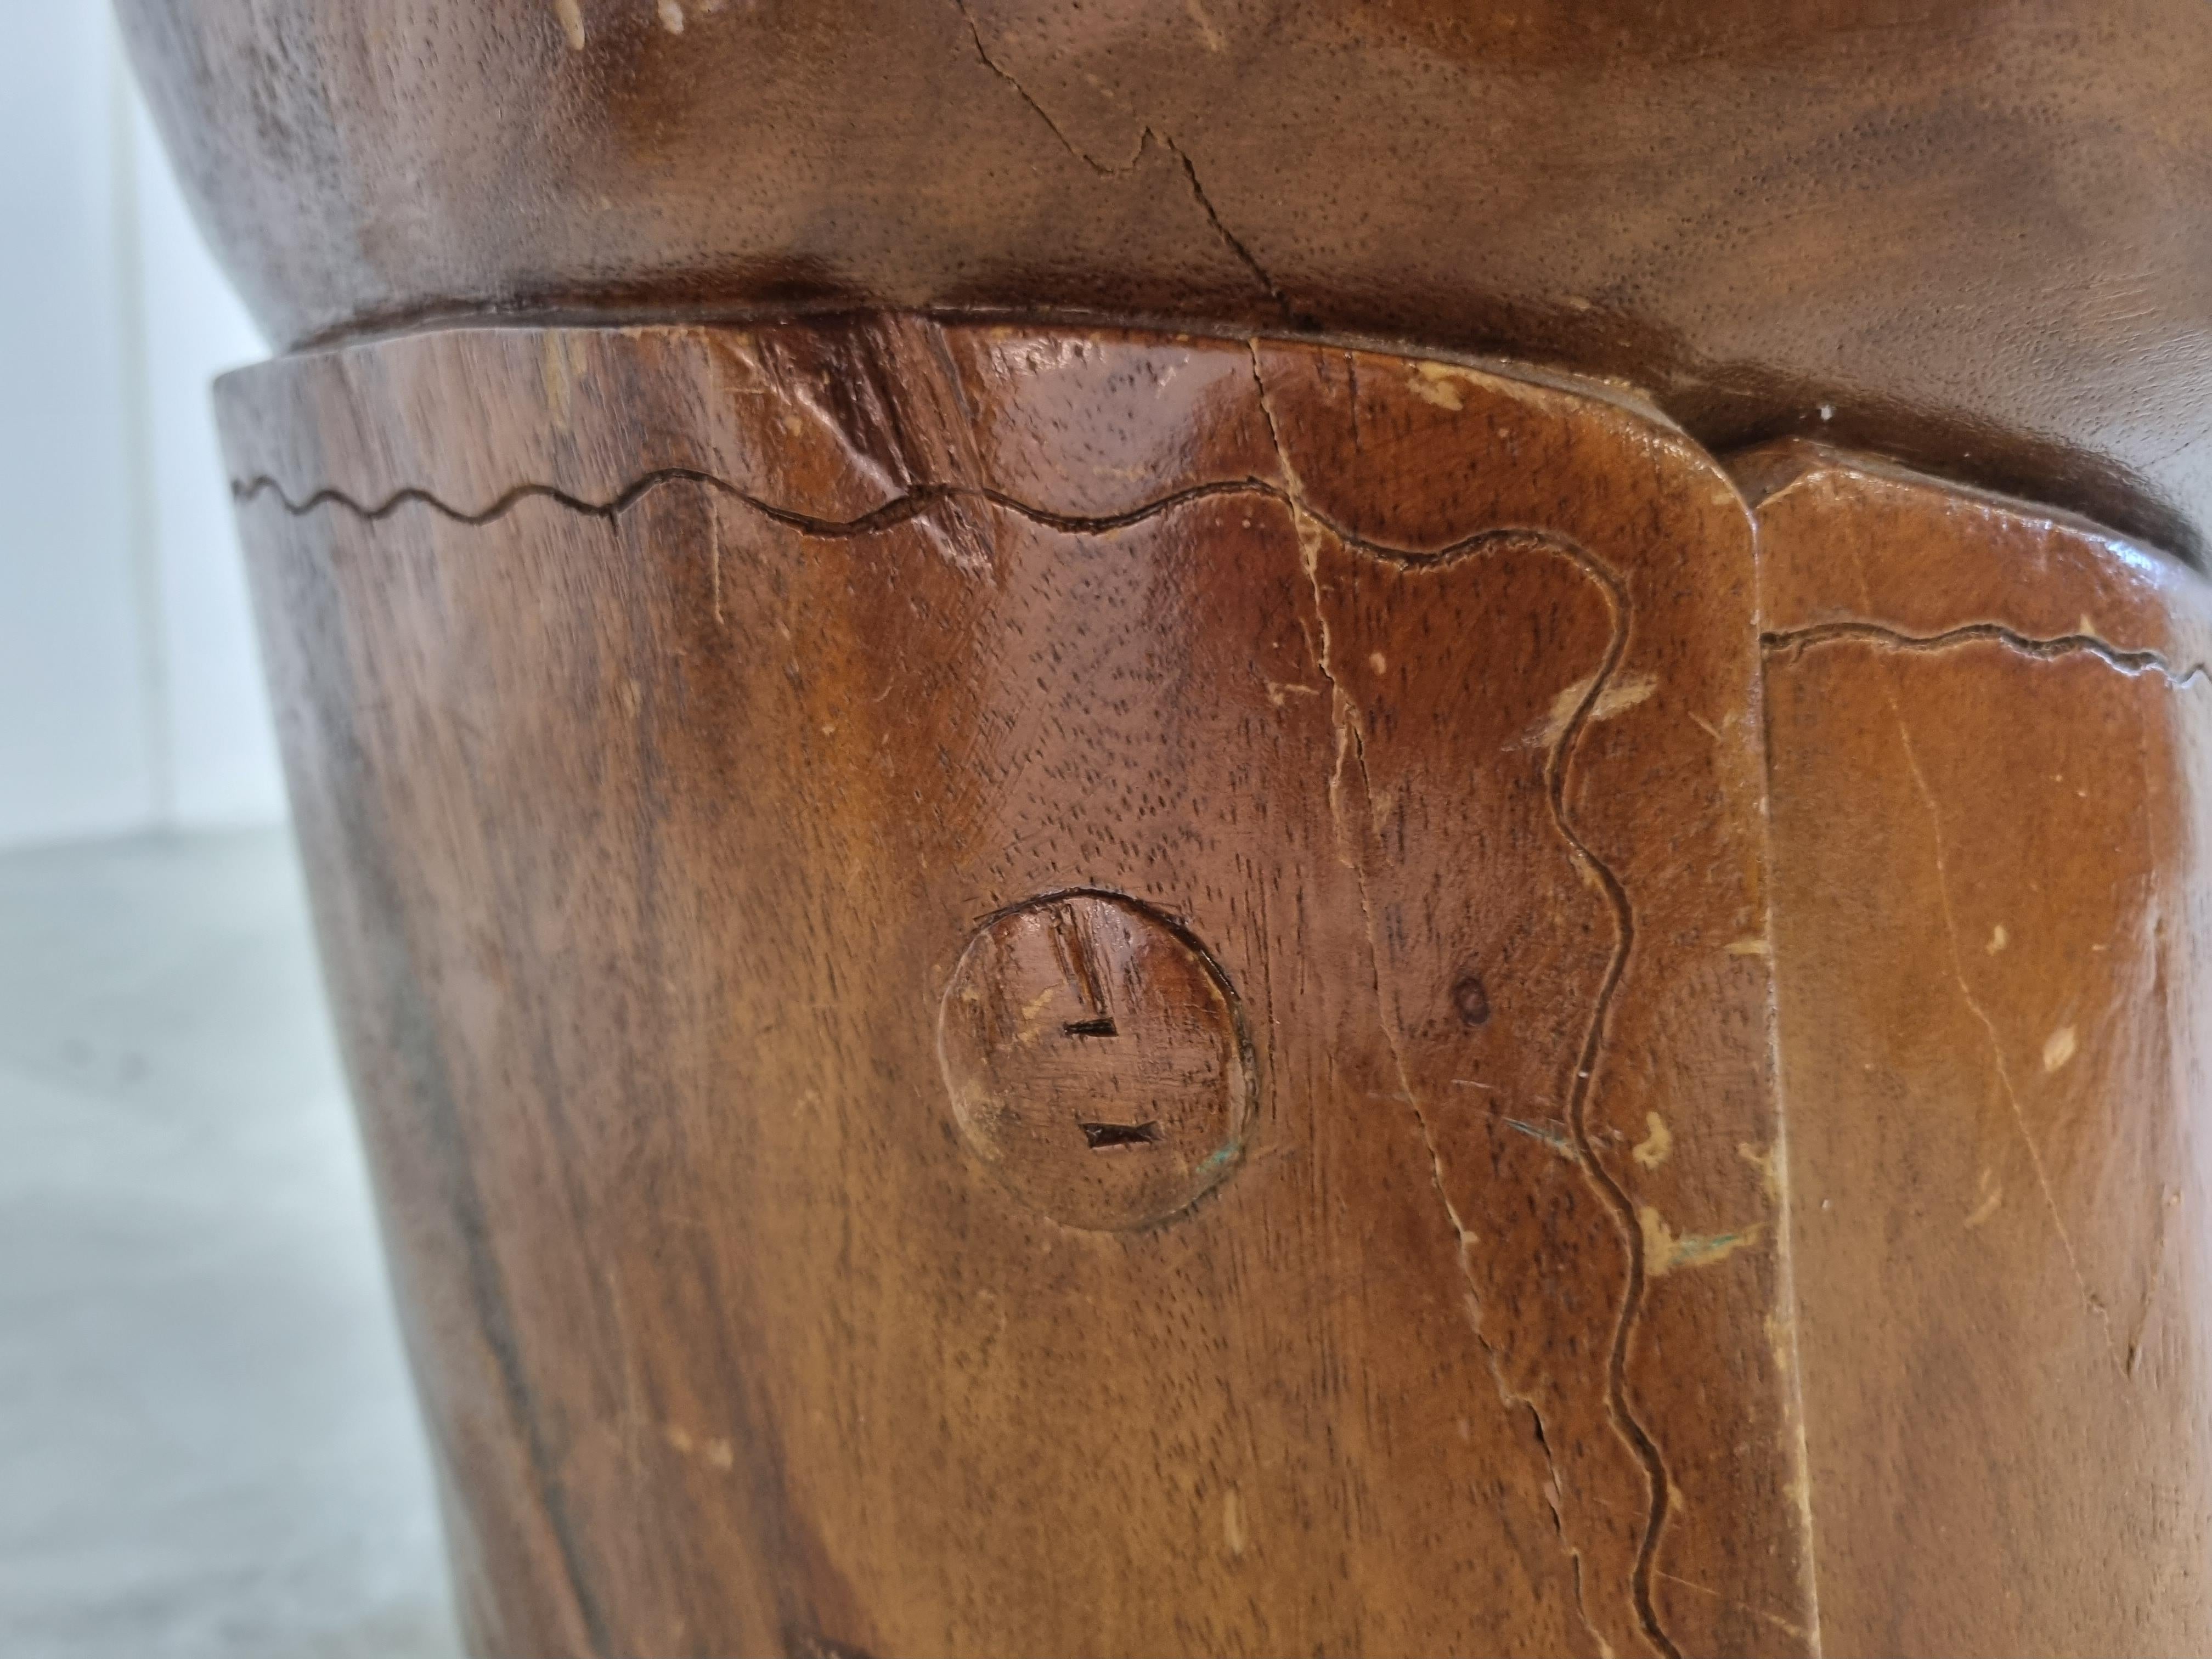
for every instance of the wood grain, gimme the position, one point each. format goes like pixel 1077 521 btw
pixel 653 800
pixel 744 772
pixel 1990 731
pixel 1096 1059
pixel 1967 235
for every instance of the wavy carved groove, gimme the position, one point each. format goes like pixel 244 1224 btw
pixel 897 511
pixel 1589 1058
pixel 2127 661
pixel 1586 1060
pixel 1585 1081
pixel 1148 136
pixel 1988 924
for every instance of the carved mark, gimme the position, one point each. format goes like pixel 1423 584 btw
pixel 1100 1136
pixel 919 500
pixel 2064 645
pixel 1042 1073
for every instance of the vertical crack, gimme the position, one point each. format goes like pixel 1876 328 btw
pixel 1147 136
pixel 1351 743
pixel 1229 238
pixel 1784 1187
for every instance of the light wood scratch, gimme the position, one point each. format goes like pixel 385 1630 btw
pixel 1759 1613
pixel 1989 1025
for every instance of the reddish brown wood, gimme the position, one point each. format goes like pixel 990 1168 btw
pixel 1097 1060
pixel 746 773
pixel 1990 734
pixel 1968 233
pixel 1017 986
pixel 654 801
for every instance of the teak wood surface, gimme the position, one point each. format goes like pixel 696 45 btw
pixel 1031 990
pixel 1967 234
pixel 1162 826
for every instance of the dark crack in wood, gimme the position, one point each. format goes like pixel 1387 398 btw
pixel 1590 1059
pixel 1790 642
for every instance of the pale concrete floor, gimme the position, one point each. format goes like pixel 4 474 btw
pixel 207 1442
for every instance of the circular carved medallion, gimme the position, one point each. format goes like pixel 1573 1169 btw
pixel 1095 1059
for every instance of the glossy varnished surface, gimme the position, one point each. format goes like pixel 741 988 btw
pixel 1968 233
pixel 783 802
pixel 1990 745
pixel 670 712
pixel 1097 1060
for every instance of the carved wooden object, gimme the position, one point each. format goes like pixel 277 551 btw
pixel 1028 992
pixel 1988 736
pixel 1023 986
pixel 1967 234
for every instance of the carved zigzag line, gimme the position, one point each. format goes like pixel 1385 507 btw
pixel 919 498
pixel 2126 659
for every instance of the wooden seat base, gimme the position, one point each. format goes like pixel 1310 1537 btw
pixel 1018 989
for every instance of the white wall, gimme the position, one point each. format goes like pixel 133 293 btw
pixel 129 695
pixel 214 737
